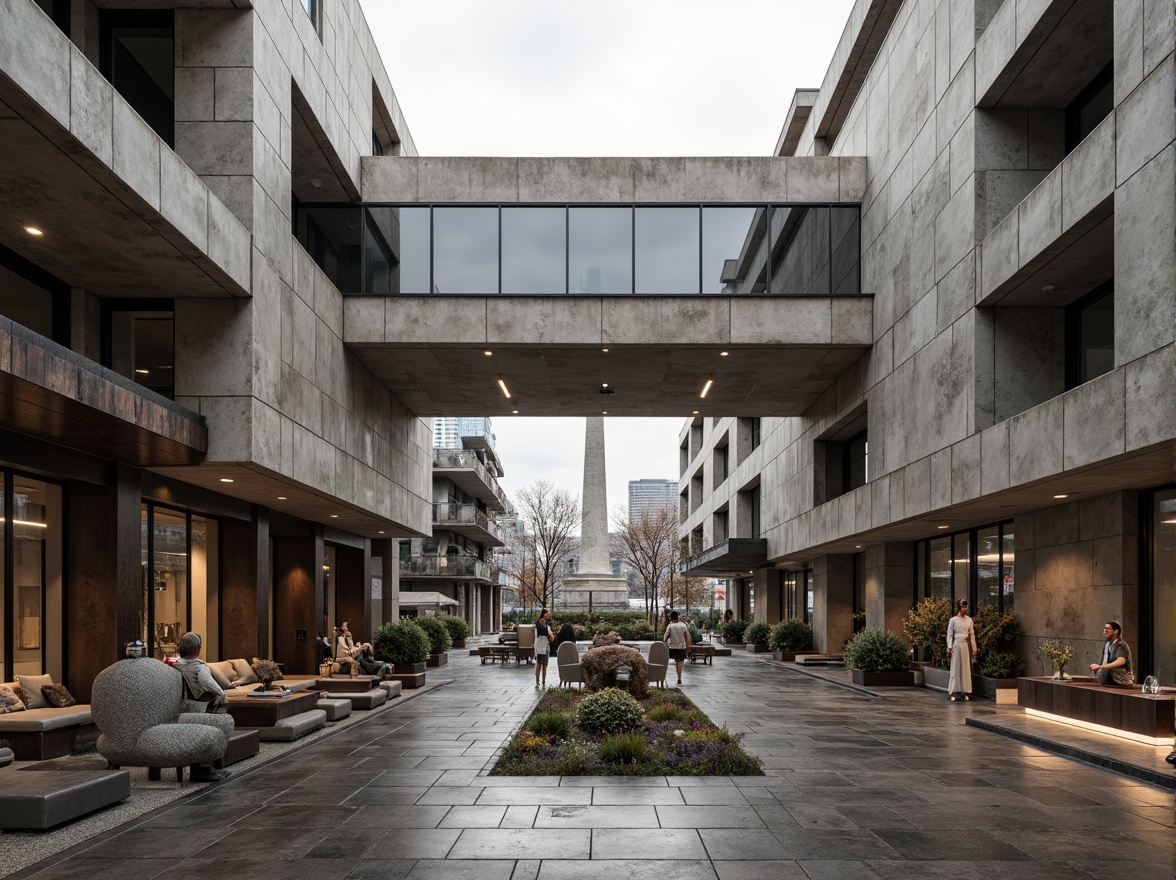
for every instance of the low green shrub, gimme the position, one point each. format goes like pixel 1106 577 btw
pixel 926 627
pixel 438 633
pixel 401 643
pixel 757 633
pixel 664 713
pixel 733 630
pixel 1001 664
pixel 549 724
pixel 609 711
pixel 876 650
pixel 695 634
pixel 458 628
pixel 791 635
pixel 625 748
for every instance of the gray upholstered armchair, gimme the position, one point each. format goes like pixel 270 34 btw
pixel 136 707
pixel 568 658
pixel 658 663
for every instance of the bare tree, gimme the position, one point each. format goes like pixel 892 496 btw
pixel 649 544
pixel 553 515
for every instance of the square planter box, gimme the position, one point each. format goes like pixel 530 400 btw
pixel 883 679
pixel 757 649
pixel 437 660
pixel 788 656
pixel 408 669
pixel 459 643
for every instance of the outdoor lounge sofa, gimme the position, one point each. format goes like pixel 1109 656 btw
pixel 40 734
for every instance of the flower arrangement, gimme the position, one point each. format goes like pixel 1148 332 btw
pixel 1058 654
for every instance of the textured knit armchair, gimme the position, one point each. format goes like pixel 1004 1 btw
pixel 136 707
pixel 658 663
pixel 568 658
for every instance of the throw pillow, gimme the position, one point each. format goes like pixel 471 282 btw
pixel 30 689
pixel 245 673
pixel 9 701
pixel 223 673
pixel 57 696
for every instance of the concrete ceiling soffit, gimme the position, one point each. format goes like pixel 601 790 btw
pixel 317 172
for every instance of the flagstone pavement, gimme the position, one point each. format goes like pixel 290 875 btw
pixel 857 786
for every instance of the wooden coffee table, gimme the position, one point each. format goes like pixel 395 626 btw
pixel 268 711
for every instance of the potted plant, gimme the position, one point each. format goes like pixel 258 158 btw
pixel 926 627
pixel 459 630
pixel 756 637
pixel 1058 654
pixel 733 632
pixel 439 640
pixel 789 638
pixel 997 666
pixel 878 658
pixel 406 647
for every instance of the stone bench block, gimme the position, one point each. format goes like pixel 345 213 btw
pixel 336 709
pixel 32 799
pixel 294 727
pixel 244 743
pixel 366 700
pixel 392 688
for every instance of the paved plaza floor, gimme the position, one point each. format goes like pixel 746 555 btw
pixel 857 786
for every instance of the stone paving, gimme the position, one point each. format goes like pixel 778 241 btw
pixel 857 786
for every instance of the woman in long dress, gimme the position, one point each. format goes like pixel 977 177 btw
pixel 960 636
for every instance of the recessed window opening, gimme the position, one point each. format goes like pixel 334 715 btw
pixel 138 342
pixel 33 298
pixel 977 565
pixel 137 56
pixel 1090 336
pixel 1093 104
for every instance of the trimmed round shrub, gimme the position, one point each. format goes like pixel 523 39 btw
pixel 791 635
pixel 458 628
pixel 876 650
pixel 609 711
pixel 757 633
pixel 549 724
pixel 401 643
pixel 733 630
pixel 438 633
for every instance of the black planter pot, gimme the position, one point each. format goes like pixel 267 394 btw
pixel 883 679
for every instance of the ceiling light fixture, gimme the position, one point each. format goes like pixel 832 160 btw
pixel 487 353
pixel 381 531
pixel 334 516
pixel 141 371
pixel 694 413
pixel 943 527
pixel 33 230
pixel 515 411
pixel 603 384
pixel 1061 496
pixel 723 353
pixel 707 387
pixel 605 350
pixel 502 385
pixel 281 497
pixel 226 479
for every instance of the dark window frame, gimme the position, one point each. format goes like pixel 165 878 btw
pixel 922 561
pixel 110 306
pixel 146 19
pixel 1073 332
pixel 1103 80
pixel 57 289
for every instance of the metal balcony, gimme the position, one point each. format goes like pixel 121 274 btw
pixel 467 520
pixel 450 568
pixel 468 473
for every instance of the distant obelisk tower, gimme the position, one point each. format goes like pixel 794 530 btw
pixel 594 583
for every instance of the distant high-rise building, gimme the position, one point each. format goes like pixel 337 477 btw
pixel 448 430
pixel 651 495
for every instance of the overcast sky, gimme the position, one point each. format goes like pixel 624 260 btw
pixel 606 78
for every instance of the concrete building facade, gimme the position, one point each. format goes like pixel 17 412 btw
pixel 651 495
pixel 1008 436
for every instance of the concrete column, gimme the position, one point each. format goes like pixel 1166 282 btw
pixel 768 607
pixel 832 602
pixel 890 584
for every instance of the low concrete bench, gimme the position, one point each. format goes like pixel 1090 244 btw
pixel 244 743
pixel 369 699
pixel 392 688
pixel 294 727
pixel 32 799
pixel 336 709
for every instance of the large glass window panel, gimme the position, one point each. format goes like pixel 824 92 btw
pixel 988 574
pixel 666 250
pixel 961 562
pixel 800 250
pixel 5 673
pixel 844 223
pixel 1008 558
pixel 138 58
pixel 734 250
pixel 534 250
pixel 36 610
pixel 333 236
pixel 465 250
pixel 26 303
pixel 204 565
pixel 1163 586
pixel 141 346
pixel 169 580
pixel 939 569
pixel 600 250
pixel 1094 339
pixel 396 251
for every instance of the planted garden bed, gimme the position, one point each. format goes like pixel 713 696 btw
pixel 664 734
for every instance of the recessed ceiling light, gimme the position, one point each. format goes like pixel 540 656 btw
pixel 1047 288
pixel 315 182
pixel 334 516
pixel 141 371
pixel 226 479
pixel 604 349
pixel 33 230
pixel 604 413
pixel 515 411
pixel 381 531
pixel 281 497
pixel 707 387
pixel 857 546
pixel 603 384
pixel 502 385
pixel 1061 496
pixel 943 527
pixel 723 354
pixel 487 353
pixel 694 413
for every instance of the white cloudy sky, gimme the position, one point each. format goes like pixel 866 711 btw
pixel 606 78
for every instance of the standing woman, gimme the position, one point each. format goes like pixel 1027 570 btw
pixel 960 636
pixel 543 638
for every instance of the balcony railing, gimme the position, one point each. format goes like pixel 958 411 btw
pixel 454 568
pixel 464 459
pixel 585 249
pixel 449 515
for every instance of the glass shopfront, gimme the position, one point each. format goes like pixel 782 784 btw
pixel 179 576
pixel 1160 559
pixel 977 565
pixel 32 576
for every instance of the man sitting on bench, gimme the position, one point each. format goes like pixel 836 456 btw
pixel 1115 668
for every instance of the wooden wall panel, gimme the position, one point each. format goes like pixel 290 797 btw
pixel 245 587
pixel 353 591
pixel 298 596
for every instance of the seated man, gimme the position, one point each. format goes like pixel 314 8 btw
pixel 201 689
pixel 1115 668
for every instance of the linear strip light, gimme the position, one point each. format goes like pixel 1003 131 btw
pixel 707 387
pixel 27 522
pixel 505 391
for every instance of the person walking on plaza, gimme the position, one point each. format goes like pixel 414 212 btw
pixel 677 639
pixel 1115 668
pixel 543 638
pixel 961 635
